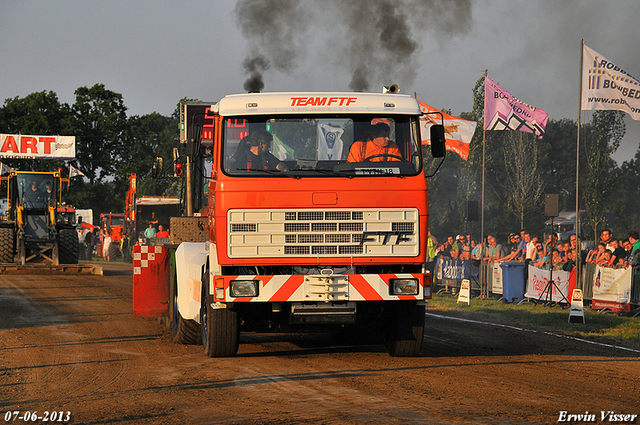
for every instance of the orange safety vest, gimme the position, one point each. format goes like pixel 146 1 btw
pixel 361 150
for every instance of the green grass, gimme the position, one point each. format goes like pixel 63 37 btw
pixel 604 327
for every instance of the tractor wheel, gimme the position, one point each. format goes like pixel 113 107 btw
pixel 7 245
pixel 68 246
pixel 114 252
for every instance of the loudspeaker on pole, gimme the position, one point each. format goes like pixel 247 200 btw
pixel 551 205
pixel 472 211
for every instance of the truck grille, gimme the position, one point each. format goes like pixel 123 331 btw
pixel 322 233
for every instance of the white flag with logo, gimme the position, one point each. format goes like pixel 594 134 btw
pixel 329 142
pixel 4 169
pixel 73 171
pixel 607 86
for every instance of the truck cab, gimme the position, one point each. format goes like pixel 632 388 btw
pixel 318 217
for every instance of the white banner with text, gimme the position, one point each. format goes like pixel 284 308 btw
pixel 22 146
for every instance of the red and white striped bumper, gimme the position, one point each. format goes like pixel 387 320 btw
pixel 320 288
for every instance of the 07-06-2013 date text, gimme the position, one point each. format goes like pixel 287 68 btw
pixel 46 416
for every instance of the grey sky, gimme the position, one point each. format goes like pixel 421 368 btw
pixel 156 52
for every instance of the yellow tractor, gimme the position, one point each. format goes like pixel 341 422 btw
pixel 38 227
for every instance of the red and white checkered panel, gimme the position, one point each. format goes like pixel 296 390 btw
pixel 150 281
pixel 143 254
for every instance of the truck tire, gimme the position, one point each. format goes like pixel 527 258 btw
pixel 405 329
pixel 183 331
pixel 220 326
pixel 68 246
pixel 7 245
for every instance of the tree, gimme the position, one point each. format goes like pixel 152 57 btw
pixel 98 121
pixel 606 132
pixel 147 137
pixel 524 184
pixel 626 197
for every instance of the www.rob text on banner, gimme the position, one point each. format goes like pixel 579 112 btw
pixel 606 86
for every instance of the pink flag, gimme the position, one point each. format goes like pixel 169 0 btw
pixel 504 112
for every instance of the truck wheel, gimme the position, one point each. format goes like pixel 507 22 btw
pixel 183 331
pixel 68 246
pixel 220 326
pixel 405 328
pixel 7 245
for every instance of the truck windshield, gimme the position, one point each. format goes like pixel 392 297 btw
pixel 321 146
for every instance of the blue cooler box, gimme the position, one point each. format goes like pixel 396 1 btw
pixel 513 284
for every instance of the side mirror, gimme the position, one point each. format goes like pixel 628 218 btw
pixel 438 148
pixel 157 168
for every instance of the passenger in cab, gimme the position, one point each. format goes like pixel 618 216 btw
pixel 256 155
pixel 377 147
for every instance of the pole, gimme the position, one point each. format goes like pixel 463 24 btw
pixel 484 245
pixel 189 184
pixel 577 225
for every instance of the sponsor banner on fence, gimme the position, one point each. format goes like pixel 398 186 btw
pixel 538 281
pixel 496 282
pixel 611 288
pixel 456 269
pixel 452 269
pixel 29 147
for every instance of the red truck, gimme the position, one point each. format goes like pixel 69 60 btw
pixel 312 239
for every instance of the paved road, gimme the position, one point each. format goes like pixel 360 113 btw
pixel 71 344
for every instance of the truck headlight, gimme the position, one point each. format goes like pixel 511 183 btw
pixel 404 286
pixel 244 288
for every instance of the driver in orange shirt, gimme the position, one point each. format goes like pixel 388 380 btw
pixel 377 147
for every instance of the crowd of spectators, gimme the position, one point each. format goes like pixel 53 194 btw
pixel 549 254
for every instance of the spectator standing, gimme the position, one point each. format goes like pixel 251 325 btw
pixel 150 231
pixel 634 239
pixel 493 251
pixel 525 237
pixel 432 244
pixel 556 260
pixel 531 248
pixel 81 248
pixel 106 244
pixel 477 252
pixel 606 237
pixel 464 247
pixel 514 252
pixel 550 245
pixel 570 263
pixel 89 242
pixel 161 233
pixel 125 248
pixel 619 254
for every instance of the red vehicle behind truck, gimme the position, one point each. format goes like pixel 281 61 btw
pixel 318 242
pixel 111 224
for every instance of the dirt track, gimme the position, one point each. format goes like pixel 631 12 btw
pixel 73 344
